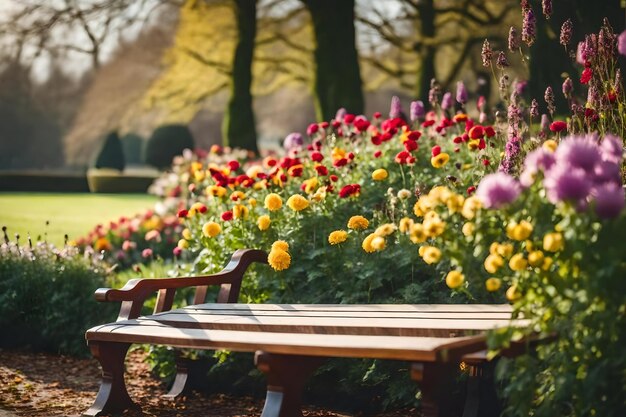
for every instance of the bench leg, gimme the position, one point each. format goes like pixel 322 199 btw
pixel 181 384
pixel 436 382
pixel 482 399
pixel 286 376
pixel 112 396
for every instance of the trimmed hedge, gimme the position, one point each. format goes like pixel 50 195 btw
pixel 111 154
pixel 111 181
pixel 165 143
pixel 43 181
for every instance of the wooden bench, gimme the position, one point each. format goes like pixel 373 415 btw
pixel 291 340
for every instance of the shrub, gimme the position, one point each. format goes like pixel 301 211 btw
pixel 132 144
pixel 111 154
pixel 46 298
pixel 165 143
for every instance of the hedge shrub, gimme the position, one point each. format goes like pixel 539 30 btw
pixel 111 155
pixel 132 145
pixel 165 143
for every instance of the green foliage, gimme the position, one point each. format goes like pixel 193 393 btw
pixel 165 143
pixel 132 144
pixel 46 298
pixel 111 155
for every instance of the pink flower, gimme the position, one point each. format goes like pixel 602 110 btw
pixel 578 152
pixel 621 43
pixel 312 129
pixel 566 183
pixel 612 148
pixel 497 190
pixel 128 245
pixel 609 200
pixel 146 253
pixel 177 251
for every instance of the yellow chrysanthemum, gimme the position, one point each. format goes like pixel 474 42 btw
pixel 297 202
pixel 380 174
pixel 338 153
pixel 517 262
pixel 379 243
pixel 519 231
pixel 434 227
pixel 385 229
pixel 455 279
pixel 405 224
pixel 553 242
pixel 264 222
pixel 337 237
pixel 440 193
pixel 237 196
pixel 440 160
pixel 279 259
pixel 240 211
pixel 186 234
pixel 431 255
pixel 280 245
pixel 311 185
pixel 273 202
pixel 183 244
pixel 493 284
pixel 252 202
pixel 455 203
pixel 358 223
pixel 417 233
pixel 367 243
pixel 550 145
pixel 199 176
pixel 216 191
pixel 470 207
pixel 468 229
pixel 211 229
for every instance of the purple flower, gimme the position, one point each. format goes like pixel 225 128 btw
pixel 545 123
pixel 534 108
pixel 567 87
pixel 461 92
pixel 565 183
pixel 607 171
pixel 566 32
pixel 621 43
pixel 292 141
pixel 578 152
pixel 528 27
pixel 486 54
pixel 546 6
pixel 549 99
pixel 340 113
pixel 395 110
pixel 612 148
pixel 501 61
pixel 513 40
pixel 446 101
pixel 580 59
pixel 417 110
pixel 537 160
pixel 482 117
pixel 609 199
pixel 497 190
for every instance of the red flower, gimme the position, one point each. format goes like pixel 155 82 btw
pixel 334 178
pixel 486 162
pixel 436 150
pixel 202 208
pixel 482 144
pixel 348 118
pixel 376 140
pixel 351 156
pixel 182 213
pixel 402 157
pixel 233 165
pixel 410 145
pixel 428 123
pixel 477 132
pixel 377 115
pixel 323 125
pixel 377 154
pixel 458 139
pixel 558 126
pixel 470 190
pixel 336 123
pixel 312 129
pixel 490 132
pixel 317 156
pixel 586 75
pixel 321 170
pixel 227 216
pixel 349 190
pixel 361 123
pixel 340 162
pixel 177 251
pixel 414 135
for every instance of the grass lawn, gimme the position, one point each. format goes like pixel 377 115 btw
pixel 72 214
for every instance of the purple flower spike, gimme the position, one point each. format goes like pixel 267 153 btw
pixel 417 110
pixel 293 141
pixel 497 190
pixel 609 199
pixel 461 92
pixel 528 27
pixel 395 110
pixel 612 148
pixel 621 43
pixel 340 113
pixel 446 101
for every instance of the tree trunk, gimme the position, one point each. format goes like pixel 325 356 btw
pixel 238 127
pixel 428 52
pixel 337 74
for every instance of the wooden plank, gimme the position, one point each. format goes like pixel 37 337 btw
pixel 349 346
pixel 328 325
pixel 458 308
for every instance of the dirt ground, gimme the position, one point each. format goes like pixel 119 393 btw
pixel 38 385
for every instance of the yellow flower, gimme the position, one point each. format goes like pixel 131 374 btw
pixel 358 223
pixel 434 227
pixel 338 153
pixel 440 193
pixel 535 258
pixel 280 245
pixel 513 294
pixel 405 224
pixel 493 263
pixel 216 191
pixel 378 243
pixel 263 222
pixel 505 250
pixel 240 211
pixel 417 233
pixel 337 237
pixel 470 207
pixel 252 202
pixel 186 234
pixel 517 262
pixel 211 229
pixel 279 259
pixel 237 196
pixel 380 174
pixel 183 244
pixel 493 284
pixel 102 244
pixel 199 176
pixel 367 243
pixel 473 144
pixel 550 145
pixel 519 231
pixel 196 166
pixel 440 160
pixel 311 185
pixel 455 203
pixel 431 255
pixel 297 203
pixel 553 242
pixel 403 194
pixel 273 202
pixel 547 263
pixel 468 229
pixel 454 279
pixel 385 229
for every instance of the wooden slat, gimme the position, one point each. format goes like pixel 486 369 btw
pixel 329 325
pixel 350 346
pixel 455 308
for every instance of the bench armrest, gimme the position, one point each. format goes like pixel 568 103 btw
pixel 136 291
